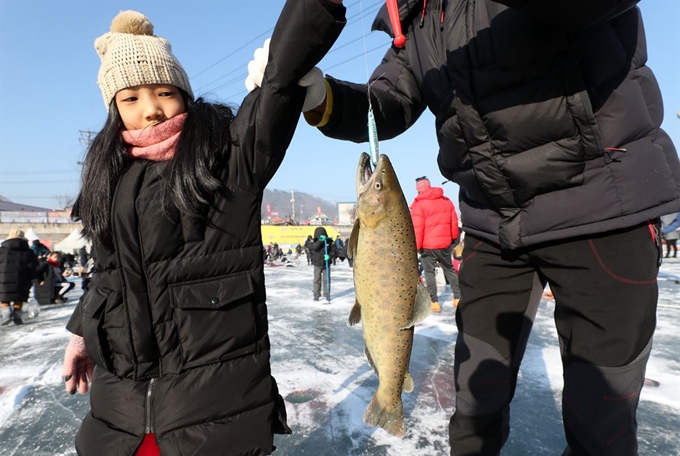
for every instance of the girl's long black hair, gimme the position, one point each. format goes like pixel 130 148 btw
pixel 191 178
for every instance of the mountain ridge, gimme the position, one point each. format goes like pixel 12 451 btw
pixel 306 205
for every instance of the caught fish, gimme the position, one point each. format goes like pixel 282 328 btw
pixel 389 296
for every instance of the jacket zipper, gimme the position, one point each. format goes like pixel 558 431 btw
pixel 149 418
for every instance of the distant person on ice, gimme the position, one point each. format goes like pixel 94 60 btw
pixel 670 224
pixel 175 318
pixel 52 285
pixel 435 223
pixel 41 251
pixel 321 259
pixel 18 266
pixel 308 252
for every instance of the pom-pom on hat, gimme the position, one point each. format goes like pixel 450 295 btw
pixel 422 183
pixel 131 55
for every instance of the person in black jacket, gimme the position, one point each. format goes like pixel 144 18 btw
pixel 320 249
pixel 17 271
pixel 175 319
pixel 549 121
pixel 308 252
pixel 41 251
pixel 52 286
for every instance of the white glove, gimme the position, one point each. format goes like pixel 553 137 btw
pixel 316 89
pixel 313 81
pixel 78 366
pixel 256 67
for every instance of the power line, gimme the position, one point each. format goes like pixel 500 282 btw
pixel 233 52
pixel 38 173
pixel 33 182
pixel 371 8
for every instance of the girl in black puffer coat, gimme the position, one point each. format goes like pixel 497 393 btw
pixel 17 271
pixel 175 319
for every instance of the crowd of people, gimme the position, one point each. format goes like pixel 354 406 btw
pixel 23 267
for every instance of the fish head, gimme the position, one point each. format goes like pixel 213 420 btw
pixel 378 192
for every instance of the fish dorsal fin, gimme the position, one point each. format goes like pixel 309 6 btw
pixel 355 314
pixel 353 240
pixel 422 307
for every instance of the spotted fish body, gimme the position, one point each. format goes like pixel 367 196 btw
pixel 390 298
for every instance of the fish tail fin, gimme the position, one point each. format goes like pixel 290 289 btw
pixel 391 421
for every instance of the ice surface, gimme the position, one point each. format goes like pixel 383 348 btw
pixel 319 363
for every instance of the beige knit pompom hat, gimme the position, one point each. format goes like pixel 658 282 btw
pixel 131 55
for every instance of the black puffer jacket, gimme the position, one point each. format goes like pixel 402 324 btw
pixel 17 270
pixel 317 247
pixel 175 317
pixel 547 117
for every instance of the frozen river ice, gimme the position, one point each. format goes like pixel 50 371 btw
pixel 322 373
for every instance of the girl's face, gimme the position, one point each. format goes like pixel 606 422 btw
pixel 148 104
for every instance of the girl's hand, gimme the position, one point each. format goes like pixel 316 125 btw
pixel 78 366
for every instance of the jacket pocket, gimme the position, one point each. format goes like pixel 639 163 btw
pixel 214 318
pixel 92 311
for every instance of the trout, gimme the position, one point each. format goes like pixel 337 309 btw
pixel 389 296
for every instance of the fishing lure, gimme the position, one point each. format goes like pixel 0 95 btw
pixel 373 146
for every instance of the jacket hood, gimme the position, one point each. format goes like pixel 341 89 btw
pixel 320 231
pixel 16 244
pixel 431 193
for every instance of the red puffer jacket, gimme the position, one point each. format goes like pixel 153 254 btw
pixel 434 219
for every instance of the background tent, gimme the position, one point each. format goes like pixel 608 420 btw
pixel 73 241
pixel 31 235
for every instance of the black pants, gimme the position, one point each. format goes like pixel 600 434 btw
pixel 319 278
pixel 671 244
pixel 605 312
pixel 429 259
pixel 60 289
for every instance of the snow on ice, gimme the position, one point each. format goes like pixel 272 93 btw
pixel 321 370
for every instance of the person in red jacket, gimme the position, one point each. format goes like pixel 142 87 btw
pixel 436 225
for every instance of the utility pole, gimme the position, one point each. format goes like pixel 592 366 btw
pixel 292 201
pixel 85 137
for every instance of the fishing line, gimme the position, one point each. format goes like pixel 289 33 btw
pixel 373 144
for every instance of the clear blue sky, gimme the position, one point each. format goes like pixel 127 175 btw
pixel 48 90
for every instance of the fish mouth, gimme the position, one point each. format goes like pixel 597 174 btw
pixel 364 173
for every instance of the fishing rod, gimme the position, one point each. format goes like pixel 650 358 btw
pixel 327 260
pixel 399 41
pixel 393 10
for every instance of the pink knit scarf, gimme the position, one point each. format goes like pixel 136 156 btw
pixel 157 142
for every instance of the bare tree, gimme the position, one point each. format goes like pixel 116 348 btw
pixel 64 200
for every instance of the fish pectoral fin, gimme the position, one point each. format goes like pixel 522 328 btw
pixel 408 383
pixel 355 314
pixel 422 307
pixel 390 419
pixel 370 360
pixel 353 240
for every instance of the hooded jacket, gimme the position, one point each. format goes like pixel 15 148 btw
pixel 317 247
pixel 547 118
pixel 175 316
pixel 17 270
pixel 435 221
